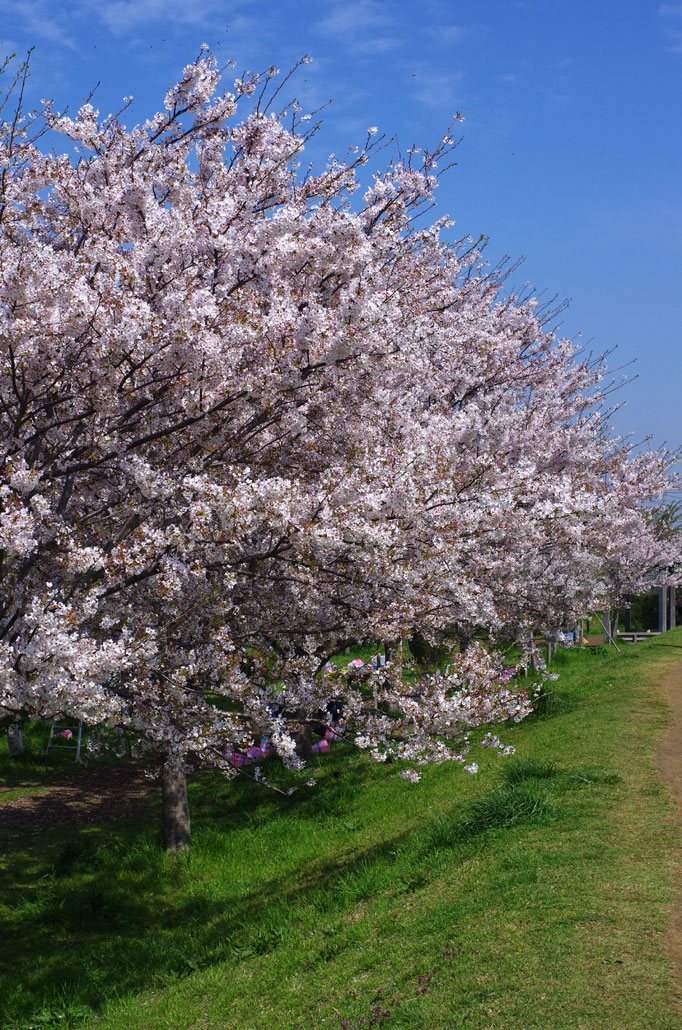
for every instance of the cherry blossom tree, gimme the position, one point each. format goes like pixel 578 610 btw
pixel 249 418
pixel 581 535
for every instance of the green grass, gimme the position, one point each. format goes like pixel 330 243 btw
pixel 34 766
pixel 533 895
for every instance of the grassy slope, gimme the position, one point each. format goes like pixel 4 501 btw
pixel 533 895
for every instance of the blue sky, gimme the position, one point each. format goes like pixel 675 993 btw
pixel 571 153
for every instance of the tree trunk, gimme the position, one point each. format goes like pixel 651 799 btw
pixel 175 807
pixel 614 623
pixel 304 743
pixel 463 640
pixel 533 657
pixel 15 739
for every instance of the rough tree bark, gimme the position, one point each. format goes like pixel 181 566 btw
pixel 175 807
pixel 615 619
pixel 304 743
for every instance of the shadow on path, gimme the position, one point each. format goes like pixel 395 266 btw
pixel 112 793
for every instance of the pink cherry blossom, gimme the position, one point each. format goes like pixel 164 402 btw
pixel 250 417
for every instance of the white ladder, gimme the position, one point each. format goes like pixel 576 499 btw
pixel 59 733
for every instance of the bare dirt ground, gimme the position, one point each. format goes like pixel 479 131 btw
pixel 669 764
pixel 114 793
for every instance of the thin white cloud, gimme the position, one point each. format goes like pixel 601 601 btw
pixel 377 45
pixel 675 37
pixel 447 35
pixel 555 96
pixel 57 23
pixel 41 20
pixel 365 27
pixel 123 16
pixel 438 89
pixel 371 27
pixel 354 18
pixel 672 12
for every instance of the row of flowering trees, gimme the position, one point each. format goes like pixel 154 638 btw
pixel 248 418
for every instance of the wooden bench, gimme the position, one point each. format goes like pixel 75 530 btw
pixel 636 637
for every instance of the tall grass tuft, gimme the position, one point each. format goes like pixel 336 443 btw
pixel 509 805
pixel 520 769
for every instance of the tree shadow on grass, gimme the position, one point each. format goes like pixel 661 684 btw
pixel 102 912
pixel 102 938
pixel 96 912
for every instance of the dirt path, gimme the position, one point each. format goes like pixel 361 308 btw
pixel 114 793
pixel 669 763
